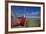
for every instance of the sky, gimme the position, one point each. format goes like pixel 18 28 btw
pixel 26 10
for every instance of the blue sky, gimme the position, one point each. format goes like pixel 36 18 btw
pixel 28 11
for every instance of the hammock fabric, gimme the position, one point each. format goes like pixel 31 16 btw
pixel 22 21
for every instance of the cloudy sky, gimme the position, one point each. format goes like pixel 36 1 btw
pixel 26 10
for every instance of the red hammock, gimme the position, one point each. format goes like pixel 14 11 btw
pixel 22 21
